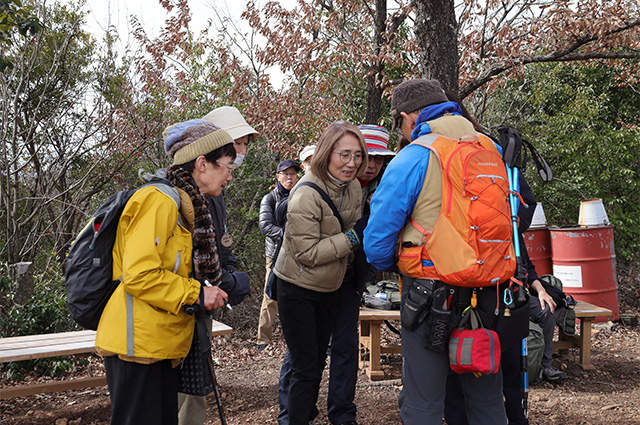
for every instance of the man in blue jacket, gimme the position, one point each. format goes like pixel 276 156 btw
pixel 411 186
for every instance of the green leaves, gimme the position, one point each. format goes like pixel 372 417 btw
pixel 14 17
pixel 584 122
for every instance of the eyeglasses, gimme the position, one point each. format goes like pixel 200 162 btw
pixel 228 167
pixel 377 159
pixel 397 124
pixel 346 157
pixel 289 174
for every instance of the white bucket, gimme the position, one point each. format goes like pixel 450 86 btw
pixel 592 213
pixel 538 220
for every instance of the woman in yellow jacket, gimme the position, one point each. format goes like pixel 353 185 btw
pixel 162 254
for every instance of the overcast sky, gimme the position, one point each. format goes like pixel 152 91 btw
pixel 105 13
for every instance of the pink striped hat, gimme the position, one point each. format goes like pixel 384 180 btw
pixel 376 138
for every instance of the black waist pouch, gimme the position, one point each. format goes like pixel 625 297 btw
pixel 416 304
pixel 511 322
pixel 444 316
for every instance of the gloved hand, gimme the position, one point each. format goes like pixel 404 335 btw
pixel 240 288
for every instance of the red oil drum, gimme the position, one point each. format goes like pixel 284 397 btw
pixel 584 259
pixel 538 243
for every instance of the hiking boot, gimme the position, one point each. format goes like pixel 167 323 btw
pixel 552 374
pixel 261 347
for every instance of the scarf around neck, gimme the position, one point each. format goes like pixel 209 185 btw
pixel 206 263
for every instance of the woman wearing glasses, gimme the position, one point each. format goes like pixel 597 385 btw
pixel 314 258
pixel 164 249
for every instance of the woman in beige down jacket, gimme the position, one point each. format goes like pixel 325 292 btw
pixel 313 260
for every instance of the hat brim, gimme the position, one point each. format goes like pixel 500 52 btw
pixel 380 152
pixel 242 130
pixel 295 167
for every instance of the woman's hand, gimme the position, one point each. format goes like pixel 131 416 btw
pixel 545 299
pixel 214 297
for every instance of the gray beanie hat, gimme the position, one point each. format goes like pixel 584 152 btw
pixel 411 95
pixel 185 141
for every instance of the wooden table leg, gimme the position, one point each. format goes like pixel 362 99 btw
pixel 364 334
pixel 585 343
pixel 370 341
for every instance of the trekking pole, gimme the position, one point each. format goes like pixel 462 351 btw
pixel 216 390
pixel 512 174
pixel 511 143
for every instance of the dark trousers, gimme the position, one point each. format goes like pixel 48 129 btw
pixel 546 320
pixel 343 365
pixel 307 319
pixel 283 388
pixel 141 393
pixel 510 362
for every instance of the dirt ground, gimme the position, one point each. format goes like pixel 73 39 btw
pixel 248 381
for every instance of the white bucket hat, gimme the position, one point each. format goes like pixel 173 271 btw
pixel 229 118
pixel 306 152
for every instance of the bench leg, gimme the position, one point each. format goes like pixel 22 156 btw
pixel 370 344
pixel 585 343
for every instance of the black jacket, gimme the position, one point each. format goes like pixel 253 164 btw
pixel 218 211
pixel 267 221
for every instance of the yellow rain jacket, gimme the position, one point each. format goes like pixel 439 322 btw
pixel 144 320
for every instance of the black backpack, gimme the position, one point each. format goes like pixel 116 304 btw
pixel 565 315
pixel 89 266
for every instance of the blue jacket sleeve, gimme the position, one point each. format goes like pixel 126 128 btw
pixel 393 202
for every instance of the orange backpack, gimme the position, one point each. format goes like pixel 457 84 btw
pixel 471 243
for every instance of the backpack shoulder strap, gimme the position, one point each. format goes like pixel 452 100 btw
pixel 327 199
pixel 168 189
pixel 427 141
pixel 545 172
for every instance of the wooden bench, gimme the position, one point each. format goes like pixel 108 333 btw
pixel 371 348
pixel 14 349
pixel 585 315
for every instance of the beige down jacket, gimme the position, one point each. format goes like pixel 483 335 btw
pixel 315 251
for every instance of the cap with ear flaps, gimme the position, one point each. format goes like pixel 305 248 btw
pixel 185 141
pixel 411 95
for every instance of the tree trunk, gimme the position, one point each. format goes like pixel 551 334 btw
pixel 374 81
pixel 436 35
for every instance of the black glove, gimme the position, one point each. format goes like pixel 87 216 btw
pixel 240 288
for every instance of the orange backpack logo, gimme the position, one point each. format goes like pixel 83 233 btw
pixel 471 243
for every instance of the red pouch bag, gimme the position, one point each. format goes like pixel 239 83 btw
pixel 473 348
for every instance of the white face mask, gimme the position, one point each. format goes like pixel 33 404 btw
pixel 238 161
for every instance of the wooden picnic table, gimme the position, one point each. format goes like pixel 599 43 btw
pixel 371 347
pixel 18 348
pixel 370 322
pixel 585 314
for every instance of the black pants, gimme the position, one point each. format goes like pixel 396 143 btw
pixel 141 393
pixel 307 318
pixel 343 366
